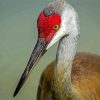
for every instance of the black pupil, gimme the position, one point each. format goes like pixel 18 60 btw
pixel 55 26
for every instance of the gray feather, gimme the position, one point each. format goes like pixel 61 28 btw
pixel 54 7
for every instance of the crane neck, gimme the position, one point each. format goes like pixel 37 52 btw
pixel 66 51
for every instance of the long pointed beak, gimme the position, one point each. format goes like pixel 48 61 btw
pixel 39 50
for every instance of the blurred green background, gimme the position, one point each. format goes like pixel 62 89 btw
pixel 18 35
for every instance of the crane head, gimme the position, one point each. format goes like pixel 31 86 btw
pixel 57 20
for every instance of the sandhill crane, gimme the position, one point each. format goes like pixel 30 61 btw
pixel 72 76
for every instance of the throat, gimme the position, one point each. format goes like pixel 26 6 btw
pixel 61 84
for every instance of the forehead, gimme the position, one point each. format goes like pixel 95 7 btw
pixel 48 20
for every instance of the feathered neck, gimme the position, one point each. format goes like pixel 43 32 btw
pixel 61 85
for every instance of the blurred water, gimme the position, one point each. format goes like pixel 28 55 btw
pixel 18 36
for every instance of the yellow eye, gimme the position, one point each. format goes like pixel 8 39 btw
pixel 56 27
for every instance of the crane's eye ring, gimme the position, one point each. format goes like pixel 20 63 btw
pixel 56 27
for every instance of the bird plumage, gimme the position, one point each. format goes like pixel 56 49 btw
pixel 85 78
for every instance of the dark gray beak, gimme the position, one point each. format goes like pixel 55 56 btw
pixel 39 50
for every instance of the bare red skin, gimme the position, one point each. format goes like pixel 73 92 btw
pixel 45 26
